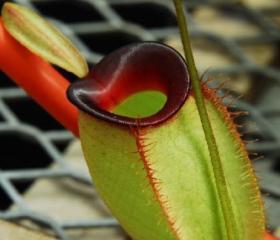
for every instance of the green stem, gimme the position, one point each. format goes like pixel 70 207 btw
pixel 223 193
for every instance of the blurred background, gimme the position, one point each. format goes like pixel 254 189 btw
pixel 44 183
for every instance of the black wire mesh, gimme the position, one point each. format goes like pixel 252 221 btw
pixel 100 26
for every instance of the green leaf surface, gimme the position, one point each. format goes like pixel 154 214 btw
pixel 142 104
pixel 118 173
pixel 187 178
pixel 159 181
pixel 42 38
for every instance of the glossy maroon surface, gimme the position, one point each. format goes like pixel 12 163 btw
pixel 128 70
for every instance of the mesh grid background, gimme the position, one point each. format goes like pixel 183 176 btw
pixel 98 27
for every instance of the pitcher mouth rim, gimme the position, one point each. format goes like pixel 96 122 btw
pixel 177 89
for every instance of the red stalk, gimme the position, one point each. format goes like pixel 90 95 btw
pixel 39 79
pixel 269 237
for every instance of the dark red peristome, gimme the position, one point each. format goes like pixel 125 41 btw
pixel 131 69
